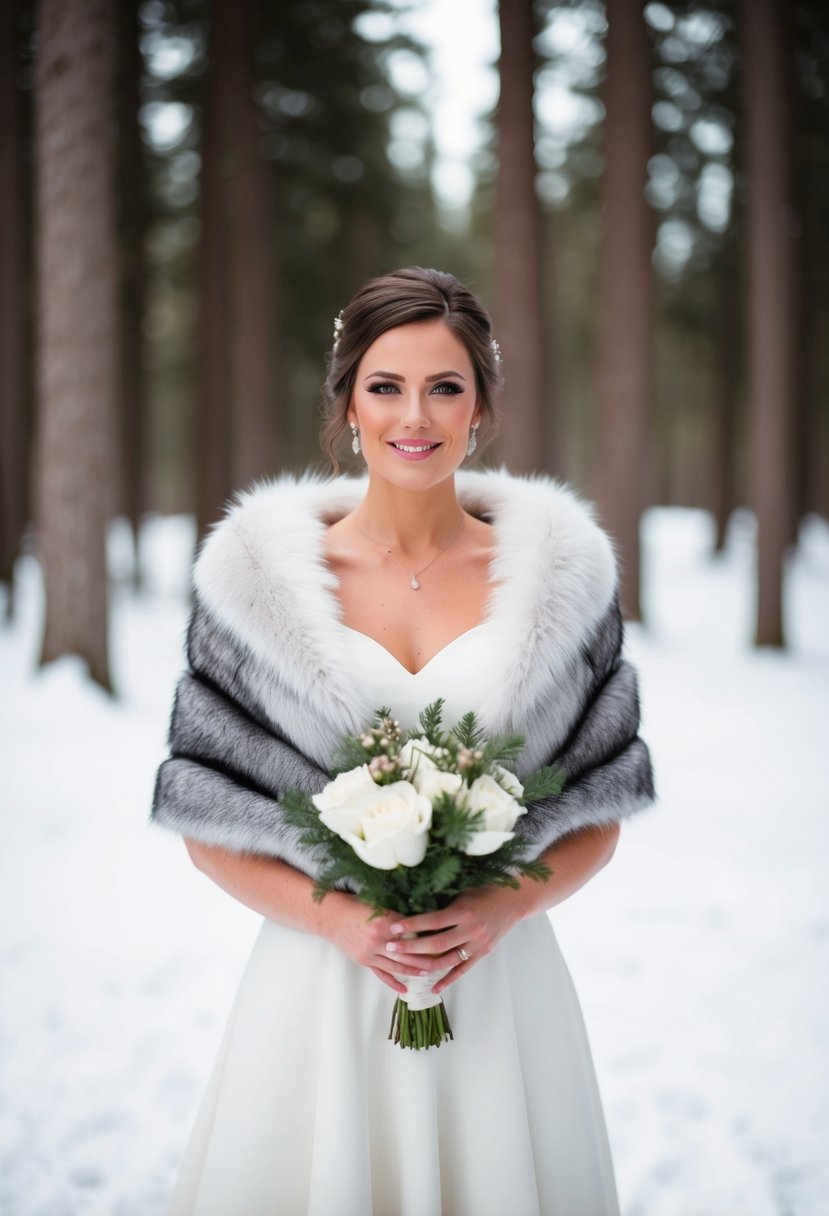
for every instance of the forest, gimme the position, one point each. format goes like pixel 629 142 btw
pixel 193 190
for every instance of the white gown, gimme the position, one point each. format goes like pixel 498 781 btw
pixel 311 1111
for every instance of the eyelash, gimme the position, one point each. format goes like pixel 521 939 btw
pixel 380 385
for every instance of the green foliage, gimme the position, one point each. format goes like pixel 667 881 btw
pixel 430 720
pixel 543 783
pixel 467 731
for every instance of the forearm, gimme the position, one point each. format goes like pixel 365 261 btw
pixel 271 887
pixel 574 860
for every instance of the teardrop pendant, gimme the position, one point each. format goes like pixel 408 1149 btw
pixel 414 584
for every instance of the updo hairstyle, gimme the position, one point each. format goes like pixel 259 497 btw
pixel 399 298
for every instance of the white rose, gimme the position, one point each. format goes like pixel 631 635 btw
pixel 386 825
pixel 500 813
pixel 509 781
pixel 345 791
pixel 431 782
pixel 416 756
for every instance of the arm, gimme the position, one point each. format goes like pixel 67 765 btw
pixel 478 919
pixel 279 892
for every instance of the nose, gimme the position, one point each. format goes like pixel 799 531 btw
pixel 413 414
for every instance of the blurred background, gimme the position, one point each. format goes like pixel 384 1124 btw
pixel 191 190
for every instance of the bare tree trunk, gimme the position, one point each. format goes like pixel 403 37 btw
pixel 13 307
pixel 724 421
pixel 771 341
pixel 519 310
pixel 213 426
pixel 252 269
pixel 133 278
pixel 625 338
pixel 77 296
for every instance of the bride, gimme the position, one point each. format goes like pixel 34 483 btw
pixel 316 600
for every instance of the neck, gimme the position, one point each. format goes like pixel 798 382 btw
pixel 409 521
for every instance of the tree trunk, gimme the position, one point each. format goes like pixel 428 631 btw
pixel 213 426
pixel 77 300
pixel 771 302
pixel 724 421
pixel 132 195
pixel 252 270
pixel 519 312
pixel 13 308
pixel 625 338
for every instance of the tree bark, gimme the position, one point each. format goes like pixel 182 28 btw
pixel 132 196
pixel 252 271
pixel 519 313
pixel 771 302
pixel 625 337
pixel 724 421
pixel 77 303
pixel 213 420
pixel 13 309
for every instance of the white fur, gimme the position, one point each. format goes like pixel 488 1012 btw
pixel 262 574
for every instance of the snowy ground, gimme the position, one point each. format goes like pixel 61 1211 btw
pixel 701 953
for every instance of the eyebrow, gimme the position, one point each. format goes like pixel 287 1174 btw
pixel 429 379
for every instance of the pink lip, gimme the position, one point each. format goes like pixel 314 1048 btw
pixel 414 455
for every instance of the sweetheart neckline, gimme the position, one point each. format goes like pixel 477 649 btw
pixel 379 645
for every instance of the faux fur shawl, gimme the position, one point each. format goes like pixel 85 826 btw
pixel 268 694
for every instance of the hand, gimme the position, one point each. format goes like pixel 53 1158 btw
pixel 475 921
pixel 349 927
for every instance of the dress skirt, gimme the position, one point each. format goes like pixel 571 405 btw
pixel 311 1111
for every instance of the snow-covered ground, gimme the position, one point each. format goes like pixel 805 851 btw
pixel 701 953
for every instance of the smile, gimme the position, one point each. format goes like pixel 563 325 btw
pixel 414 447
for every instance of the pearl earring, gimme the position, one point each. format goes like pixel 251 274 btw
pixel 473 440
pixel 355 439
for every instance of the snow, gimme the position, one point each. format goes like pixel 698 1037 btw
pixel 701 953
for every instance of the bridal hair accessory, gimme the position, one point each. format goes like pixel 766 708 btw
pixel 414 584
pixel 338 327
pixel 355 439
pixel 473 439
pixel 464 957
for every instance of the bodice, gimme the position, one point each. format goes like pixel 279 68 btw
pixel 459 673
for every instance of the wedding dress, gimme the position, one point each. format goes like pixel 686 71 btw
pixel 311 1111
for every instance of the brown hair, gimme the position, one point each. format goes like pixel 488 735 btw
pixel 398 298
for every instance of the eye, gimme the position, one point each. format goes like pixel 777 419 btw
pixel 383 387
pixel 447 387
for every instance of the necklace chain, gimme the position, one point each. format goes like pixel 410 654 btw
pixel 414 584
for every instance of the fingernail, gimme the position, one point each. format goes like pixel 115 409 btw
pixel 397 928
pixel 391 947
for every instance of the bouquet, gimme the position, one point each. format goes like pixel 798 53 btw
pixel 414 822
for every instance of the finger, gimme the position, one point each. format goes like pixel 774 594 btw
pixel 454 974
pixel 419 967
pixel 433 944
pixel 389 980
pixel 426 922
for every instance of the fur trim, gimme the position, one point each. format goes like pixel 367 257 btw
pixel 261 576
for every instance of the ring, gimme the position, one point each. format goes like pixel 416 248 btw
pixel 464 957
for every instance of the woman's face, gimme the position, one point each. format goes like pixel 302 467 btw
pixel 414 401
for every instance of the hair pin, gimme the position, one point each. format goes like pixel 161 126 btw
pixel 338 327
